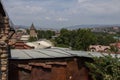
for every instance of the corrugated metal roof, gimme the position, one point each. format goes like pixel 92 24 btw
pixel 50 53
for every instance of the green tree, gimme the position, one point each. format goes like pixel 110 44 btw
pixel 40 34
pixel 73 36
pixel 77 39
pixel 105 68
pixel 31 39
pixel 49 34
pixel 104 38
pixel 64 39
pixel 28 31
pixel 45 34
pixel 84 39
pixel 114 49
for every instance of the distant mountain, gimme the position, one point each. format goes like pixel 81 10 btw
pixel 70 27
pixel 38 28
pixel 20 26
pixel 91 26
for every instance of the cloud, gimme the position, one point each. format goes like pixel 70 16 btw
pixel 47 18
pixel 81 1
pixel 67 12
pixel 62 19
pixel 102 6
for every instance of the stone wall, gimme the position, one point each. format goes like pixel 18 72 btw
pixel 4 32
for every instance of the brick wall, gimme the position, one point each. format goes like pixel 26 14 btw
pixel 58 69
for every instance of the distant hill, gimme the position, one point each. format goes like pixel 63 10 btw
pixel 38 28
pixel 20 26
pixel 70 27
pixel 91 26
pixel 23 27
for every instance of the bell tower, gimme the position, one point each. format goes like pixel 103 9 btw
pixel 33 32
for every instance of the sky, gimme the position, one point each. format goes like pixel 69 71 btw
pixel 63 13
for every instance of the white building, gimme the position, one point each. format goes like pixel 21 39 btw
pixel 42 44
pixel 25 38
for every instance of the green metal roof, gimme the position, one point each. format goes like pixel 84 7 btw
pixel 51 53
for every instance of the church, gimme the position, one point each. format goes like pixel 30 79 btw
pixel 33 32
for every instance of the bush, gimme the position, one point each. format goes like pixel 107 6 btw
pixel 105 68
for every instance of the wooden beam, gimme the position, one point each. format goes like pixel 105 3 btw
pixel 40 64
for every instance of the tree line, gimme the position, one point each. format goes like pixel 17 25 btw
pixel 81 39
pixel 42 34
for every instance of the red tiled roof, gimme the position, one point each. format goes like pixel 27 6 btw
pixel 22 45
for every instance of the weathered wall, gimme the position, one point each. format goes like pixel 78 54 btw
pixel 58 69
pixel 59 72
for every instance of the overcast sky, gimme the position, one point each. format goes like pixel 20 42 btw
pixel 63 13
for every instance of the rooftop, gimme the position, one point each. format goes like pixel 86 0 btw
pixel 2 10
pixel 51 53
pixel 32 27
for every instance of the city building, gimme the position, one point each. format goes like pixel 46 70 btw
pixel 25 38
pixel 21 45
pixel 41 44
pixel 50 64
pixel 99 48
